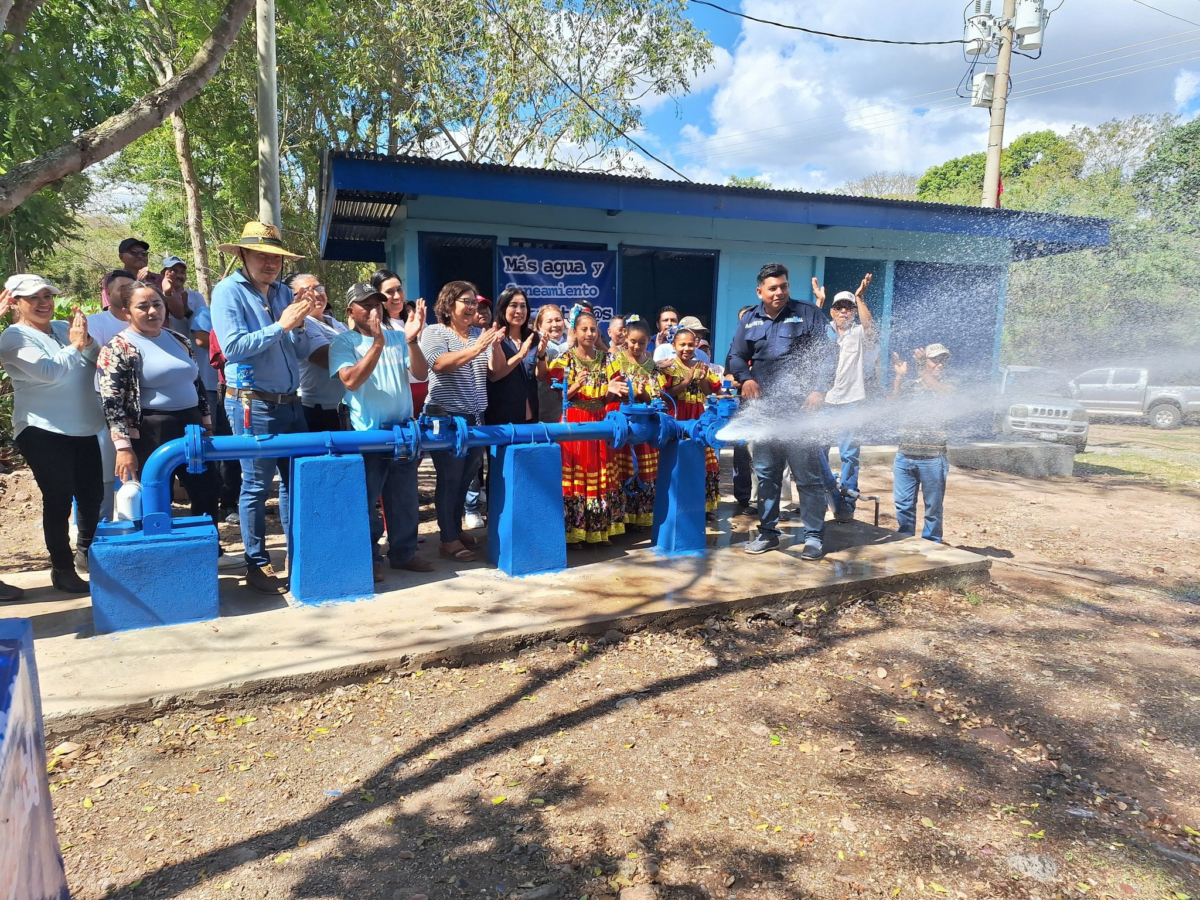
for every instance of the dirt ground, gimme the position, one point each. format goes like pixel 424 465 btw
pixel 1031 738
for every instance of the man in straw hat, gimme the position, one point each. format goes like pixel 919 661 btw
pixel 257 321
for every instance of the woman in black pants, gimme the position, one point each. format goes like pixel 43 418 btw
pixel 56 419
pixel 151 391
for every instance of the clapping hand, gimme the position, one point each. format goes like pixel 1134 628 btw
pixel 415 323
pixel 899 366
pixel 819 292
pixel 295 313
pixel 862 288
pixel 375 324
pixel 618 387
pixel 79 331
pixel 6 302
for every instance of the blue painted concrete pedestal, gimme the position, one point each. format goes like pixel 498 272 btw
pixel 331 535
pixel 140 580
pixel 525 510
pixel 679 526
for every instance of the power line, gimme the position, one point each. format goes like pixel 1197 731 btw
pixel 721 138
pixel 900 117
pixel 570 87
pixel 1157 10
pixel 829 34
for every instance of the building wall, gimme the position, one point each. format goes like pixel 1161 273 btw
pixel 744 246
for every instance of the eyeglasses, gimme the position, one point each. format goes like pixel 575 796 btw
pixel 468 301
pixel 843 308
pixel 318 288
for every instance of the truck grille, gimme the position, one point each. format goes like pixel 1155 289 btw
pixel 1049 412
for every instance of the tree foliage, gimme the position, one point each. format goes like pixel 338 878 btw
pixel 1037 154
pixel 887 185
pixel 749 181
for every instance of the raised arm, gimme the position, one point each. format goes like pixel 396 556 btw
pixel 864 312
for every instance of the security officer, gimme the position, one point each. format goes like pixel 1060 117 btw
pixel 794 361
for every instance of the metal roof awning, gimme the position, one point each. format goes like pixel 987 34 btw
pixel 361 193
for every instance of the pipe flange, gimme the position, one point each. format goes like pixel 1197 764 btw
pixel 193 436
pixel 461 435
pixel 620 428
pixel 406 438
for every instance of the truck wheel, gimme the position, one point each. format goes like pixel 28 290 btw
pixel 1080 445
pixel 1165 416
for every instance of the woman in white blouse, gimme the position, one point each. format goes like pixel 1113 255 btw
pixel 56 418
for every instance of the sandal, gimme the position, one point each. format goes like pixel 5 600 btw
pixel 462 554
pixel 468 541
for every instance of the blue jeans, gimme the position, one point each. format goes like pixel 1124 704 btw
pixel 742 467
pixel 476 501
pixel 257 474
pixel 770 457
pixel 450 495
pixel 930 476
pixel 396 481
pixel 849 450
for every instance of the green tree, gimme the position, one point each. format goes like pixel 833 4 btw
pixel 1168 181
pixel 749 181
pixel 1039 154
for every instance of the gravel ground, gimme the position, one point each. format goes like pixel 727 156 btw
pixel 1031 738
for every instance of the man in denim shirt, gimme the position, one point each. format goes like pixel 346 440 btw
pixel 257 322
pixel 794 362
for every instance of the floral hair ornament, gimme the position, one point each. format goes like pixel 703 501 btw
pixel 576 311
pixel 630 319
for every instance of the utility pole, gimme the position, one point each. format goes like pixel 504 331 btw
pixel 268 116
pixel 991 176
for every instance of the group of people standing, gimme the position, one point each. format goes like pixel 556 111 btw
pixel 95 396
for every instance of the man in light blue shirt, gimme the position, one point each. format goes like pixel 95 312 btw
pixel 374 365
pixel 256 319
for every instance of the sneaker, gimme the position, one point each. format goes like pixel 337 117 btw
pixel 762 544
pixel 81 560
pixel 233 519
pixel 265 580
pixel 812 549
pixel 784 515
pixel 472 521
pixel 746 509
pixel 227 563
pixel 67 581
pixel 9 593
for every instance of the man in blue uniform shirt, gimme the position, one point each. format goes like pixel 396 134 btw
pixel 794 361
pixel 257 322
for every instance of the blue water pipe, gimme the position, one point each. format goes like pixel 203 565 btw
pixel 634 423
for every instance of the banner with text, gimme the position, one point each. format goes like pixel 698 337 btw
pixel 562 277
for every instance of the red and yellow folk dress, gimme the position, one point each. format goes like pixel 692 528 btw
pixel 647 385
pixel 689 404
pixel 592 500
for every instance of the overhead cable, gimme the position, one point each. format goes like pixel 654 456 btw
pixel 828 34
pixel 570 87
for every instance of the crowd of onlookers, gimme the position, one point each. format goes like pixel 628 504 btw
pixel 94 396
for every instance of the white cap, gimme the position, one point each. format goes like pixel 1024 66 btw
pixel 170 262
pixel 28 285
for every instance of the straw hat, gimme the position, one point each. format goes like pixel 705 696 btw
pixel 261 237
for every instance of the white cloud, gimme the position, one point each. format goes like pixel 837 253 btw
pixel 1187 87
pixel 815 112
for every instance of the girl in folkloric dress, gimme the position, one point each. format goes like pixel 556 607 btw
pixel 592 498
pixel 690 382
pixel 634 364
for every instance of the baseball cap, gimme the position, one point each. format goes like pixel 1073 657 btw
pixel 844 297
pixel 126 244
pixel 933 351
pixel 691 323
pixel 28 285
pixel 170 262
pixel 361 293
pixel 482 300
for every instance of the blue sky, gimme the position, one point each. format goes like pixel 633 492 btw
pixel 813 113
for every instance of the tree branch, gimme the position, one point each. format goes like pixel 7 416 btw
pixel 116 132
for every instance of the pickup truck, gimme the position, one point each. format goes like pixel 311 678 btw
pixel 1128 391
pixel 1036 403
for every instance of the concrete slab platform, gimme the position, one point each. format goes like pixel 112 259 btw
pixel 455 613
